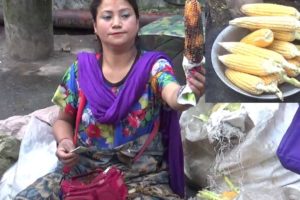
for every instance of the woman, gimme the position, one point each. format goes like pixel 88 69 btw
pixel 129 93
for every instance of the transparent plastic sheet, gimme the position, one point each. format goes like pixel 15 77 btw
pixel 235 5
pixel 251 163
pixel 36 158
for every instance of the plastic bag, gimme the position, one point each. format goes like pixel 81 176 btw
pixel 251 163
pixel 36 158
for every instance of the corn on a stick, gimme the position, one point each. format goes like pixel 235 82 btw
pixel 271 22
pixel 250 64
pixel 269 9
pixel 193 43
pixel 193 47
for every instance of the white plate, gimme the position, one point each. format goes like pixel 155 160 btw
pixel 234 34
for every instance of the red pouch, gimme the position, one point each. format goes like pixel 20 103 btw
pixel 104 185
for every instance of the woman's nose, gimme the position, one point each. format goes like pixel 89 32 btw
pixel 116 22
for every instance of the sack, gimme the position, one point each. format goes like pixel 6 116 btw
pixel 289 148
pixel 107 185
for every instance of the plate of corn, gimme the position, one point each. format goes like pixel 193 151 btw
pixel 257 55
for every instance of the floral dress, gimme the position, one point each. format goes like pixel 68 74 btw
pixel 117 144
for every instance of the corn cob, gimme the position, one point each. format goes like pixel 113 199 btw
pixel 250 64
pixel 293 73
pixel 193 44
pixel 279 79
pixel 286 36
pixel 269 9
pixel 287 49
pixel 247 49
pixel 259 38
pixel 271 22
pixel 249 83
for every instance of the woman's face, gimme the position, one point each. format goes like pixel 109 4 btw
pixel 116 24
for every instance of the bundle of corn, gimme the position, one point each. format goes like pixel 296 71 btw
pixel 193 47
pixel 267 52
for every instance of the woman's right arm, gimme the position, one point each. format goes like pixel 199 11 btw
pixel 63 133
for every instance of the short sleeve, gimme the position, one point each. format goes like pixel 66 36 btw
pixel 66 94
pixel 161 75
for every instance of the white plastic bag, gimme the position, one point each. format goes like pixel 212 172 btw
pixel 252 163
pixel 36 158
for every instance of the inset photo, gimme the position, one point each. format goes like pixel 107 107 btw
pixel 253 51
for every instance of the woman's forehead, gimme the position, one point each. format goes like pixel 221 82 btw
pixel 114 4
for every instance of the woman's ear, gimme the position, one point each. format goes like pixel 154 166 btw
pixel 95 29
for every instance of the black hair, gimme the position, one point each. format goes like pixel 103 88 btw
pixel 96 3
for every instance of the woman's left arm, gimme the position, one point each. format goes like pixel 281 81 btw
pixel 196 81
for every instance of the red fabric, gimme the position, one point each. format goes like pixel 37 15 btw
pixel 108 185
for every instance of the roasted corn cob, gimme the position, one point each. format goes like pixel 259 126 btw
pixel 193 44
pixel 247 49
pixel 286 49
pixel 249 83
pixel 259 38
pixel 286 36
pixel 269 9
pixel 271 22
pixel 250 64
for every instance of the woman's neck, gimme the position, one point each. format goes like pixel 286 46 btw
pixel 117 64
pixel 116 59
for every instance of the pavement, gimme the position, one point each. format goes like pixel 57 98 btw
pixel 28 86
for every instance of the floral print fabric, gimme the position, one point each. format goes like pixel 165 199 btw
pixel 138 122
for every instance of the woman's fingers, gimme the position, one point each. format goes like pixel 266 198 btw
pixel 196 81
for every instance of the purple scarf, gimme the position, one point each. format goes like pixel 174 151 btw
pixel 110 109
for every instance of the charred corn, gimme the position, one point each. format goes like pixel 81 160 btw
pixel 269 9
pixel 193 44
pixel 286 49
pixel 249 83
pixel 251 50
pixel 259 38
pixel 270 22
pixel 250 64
pixel 286 36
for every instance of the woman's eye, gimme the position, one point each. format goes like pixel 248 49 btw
pixel 125 16
pixel 106 17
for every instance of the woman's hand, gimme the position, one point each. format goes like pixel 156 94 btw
pixel 196 81
pixel 63 152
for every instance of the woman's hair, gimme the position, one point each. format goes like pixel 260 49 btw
pixel 96 3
